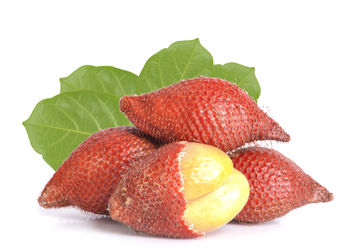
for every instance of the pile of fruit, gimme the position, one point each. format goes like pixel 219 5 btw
pixel 182 170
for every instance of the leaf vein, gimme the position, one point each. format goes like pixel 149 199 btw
pixel 58 128
pixel 188 63
pixel 119 83
pixel 176 66
pixel 57 141
pixel 87 111
pixel 160 75
pixel 65 113
pixel 245 76
pixel 100 81
pixel 108 111
pixel 71 85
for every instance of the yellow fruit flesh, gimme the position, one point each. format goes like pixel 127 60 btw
pixel 220 206
pixel 204 168
pixel 215 192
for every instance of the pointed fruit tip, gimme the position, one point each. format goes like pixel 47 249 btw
pixel 50 198
pixel 322 195
pixel 126 103
pixel 285 137
pixel 279 134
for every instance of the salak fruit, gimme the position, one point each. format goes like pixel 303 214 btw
pixel 182 190
pixel 205 110
pixel 277 185
pixel 90 174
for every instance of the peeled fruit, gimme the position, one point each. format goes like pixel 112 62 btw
pixel 182 190
pixel 90 174
pixel 205 110
pixel 277 185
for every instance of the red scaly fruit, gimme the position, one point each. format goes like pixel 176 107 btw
pixel 181 190
pixel 277 185
pixel 90 174
pixel 205 110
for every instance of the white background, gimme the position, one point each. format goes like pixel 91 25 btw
pixel 301 53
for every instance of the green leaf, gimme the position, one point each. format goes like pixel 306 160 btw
pixel 89 99
pixel 59 124
pixel 180 61
pixel 243 76
pixel 104 79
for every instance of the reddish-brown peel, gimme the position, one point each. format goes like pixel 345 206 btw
pixel 277 185
pixel 150 198
pixel 205 110
pixel 90 174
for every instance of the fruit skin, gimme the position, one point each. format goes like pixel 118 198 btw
pixel 88 177
pixel 205 110
pixel 151 197
pixel 277 185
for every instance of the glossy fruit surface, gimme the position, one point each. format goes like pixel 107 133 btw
pixel 168 193
pixel 277 185
pixel 88 177
pixel 205 110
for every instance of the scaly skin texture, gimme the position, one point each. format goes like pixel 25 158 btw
pixel 90 174
pixel 150 198
pixel 277 185
pixel 205 110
